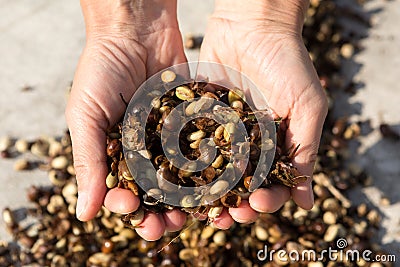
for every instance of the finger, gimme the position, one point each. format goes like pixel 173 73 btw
pixel 269 199
pixel 174 220
pixel 243 213
pixel 303 195
pixel 88 142
pixel 223 221
pixel 304 129
pixel 152 228
pixel 122 201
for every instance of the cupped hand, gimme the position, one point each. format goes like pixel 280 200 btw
pixel 119 55
pixel 274 57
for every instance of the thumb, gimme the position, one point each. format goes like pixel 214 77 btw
pixel 304 129
pixel 88 142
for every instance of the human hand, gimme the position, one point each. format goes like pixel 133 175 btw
pixel 262 39
pixel 127 41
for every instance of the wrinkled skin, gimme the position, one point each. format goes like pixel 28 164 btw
pixel 118 59
pixel 278 63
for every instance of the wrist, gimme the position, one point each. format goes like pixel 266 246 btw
pixel 278 15
pixel 128 18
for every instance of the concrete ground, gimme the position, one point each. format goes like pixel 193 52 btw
pixel 378 101
pixel 40 45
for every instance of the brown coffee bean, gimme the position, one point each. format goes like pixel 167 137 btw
pixel 114 148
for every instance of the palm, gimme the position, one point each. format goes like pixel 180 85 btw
pixel 115 66
pixel 279 65
pixel 274 62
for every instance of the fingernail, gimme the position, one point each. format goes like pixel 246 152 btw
pixel 81 205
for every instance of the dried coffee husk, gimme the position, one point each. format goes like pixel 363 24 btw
pixel 197 97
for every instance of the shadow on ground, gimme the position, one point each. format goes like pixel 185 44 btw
pixel 379 162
